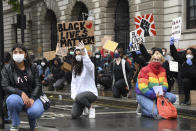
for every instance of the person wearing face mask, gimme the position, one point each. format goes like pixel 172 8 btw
pixel 187 70
pixel 21 83
pixel 152 76
pixel 83 89
pixel 122 74
pixel 44 71
pixel 56 77
pixel 166 56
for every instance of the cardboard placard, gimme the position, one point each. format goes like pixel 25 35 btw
pixel 193 97
pixel 110 45
pixel 61 51
pixel 66 67
pixel 71 33
pixel 176 28
pixel 50 55
pixel 105 38
pixel 173 66
pixel 145 25
pixel 88 47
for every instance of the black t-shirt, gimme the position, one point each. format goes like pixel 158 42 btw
pixel 23 81
pixel 118 72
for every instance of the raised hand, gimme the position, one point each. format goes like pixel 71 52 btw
pixel 145 26
pixel 172 41
pixel 189 62
pixel 81 45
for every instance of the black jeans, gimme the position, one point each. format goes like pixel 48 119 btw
pixel 188 85
pixel 119 88
pixel 82 100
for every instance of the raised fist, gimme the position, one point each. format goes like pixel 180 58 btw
pixel 145 26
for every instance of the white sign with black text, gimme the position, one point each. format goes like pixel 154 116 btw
pixel 136 40
pixel 176 28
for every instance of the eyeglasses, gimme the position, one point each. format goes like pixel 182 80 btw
pixel 156 60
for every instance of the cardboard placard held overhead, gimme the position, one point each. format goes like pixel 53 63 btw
pixel 71 33
pixel 176 28
pixel 61 51
pixel 136 40
pixel 145 25
pixel 50 55
pixel 88 47
pixel 105 38
pixel 110 45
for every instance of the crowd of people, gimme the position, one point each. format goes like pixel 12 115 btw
pixel 120 71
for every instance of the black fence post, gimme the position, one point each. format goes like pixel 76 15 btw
pixel 1 64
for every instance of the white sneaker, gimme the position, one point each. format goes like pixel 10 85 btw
pixel 85 111
pixel 138 110
pixel 92 112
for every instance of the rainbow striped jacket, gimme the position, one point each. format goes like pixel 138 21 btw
pixel 147 79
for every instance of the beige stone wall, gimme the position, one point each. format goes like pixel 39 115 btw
pixel 38 28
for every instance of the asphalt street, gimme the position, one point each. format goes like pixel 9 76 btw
pixel 108 118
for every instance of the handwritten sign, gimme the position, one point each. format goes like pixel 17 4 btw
pixel 71 33
pixel 105 38
pixel 176 28
pixel 145 25
pixel 61 51
pixel 173 66
pixel 136 40
pixel 50 55
pixel 110 45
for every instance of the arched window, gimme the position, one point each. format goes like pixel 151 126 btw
pixel 121 28
pixel 79 12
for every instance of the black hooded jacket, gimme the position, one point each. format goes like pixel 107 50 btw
pixel 56 69
pixel 187 70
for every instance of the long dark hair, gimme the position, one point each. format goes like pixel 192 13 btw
pixel 77 66
pixel 27 60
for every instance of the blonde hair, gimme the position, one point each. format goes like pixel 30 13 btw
pixel 159 56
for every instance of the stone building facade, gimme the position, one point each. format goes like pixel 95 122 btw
pixel 111 17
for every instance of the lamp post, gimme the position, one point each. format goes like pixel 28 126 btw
pixel 22 20
pixel 1 63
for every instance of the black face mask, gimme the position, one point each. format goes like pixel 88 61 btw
pixel 116 55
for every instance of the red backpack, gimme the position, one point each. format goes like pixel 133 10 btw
pixel 165 108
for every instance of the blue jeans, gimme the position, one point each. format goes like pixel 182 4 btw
pixel 147 104
pixel 15 105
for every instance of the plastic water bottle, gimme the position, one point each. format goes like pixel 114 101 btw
pixel 60 97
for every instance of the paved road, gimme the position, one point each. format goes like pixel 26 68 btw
pixel 108 118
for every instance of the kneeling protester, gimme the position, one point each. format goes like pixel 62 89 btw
pixel 151 89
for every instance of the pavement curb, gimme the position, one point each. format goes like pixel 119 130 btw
pixel 129 103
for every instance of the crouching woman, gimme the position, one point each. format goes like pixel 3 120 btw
pixel 152 76
pixel 83 89
pixel 20 81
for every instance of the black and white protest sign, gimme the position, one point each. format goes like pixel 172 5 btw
pixel 176 28
pixel 135 40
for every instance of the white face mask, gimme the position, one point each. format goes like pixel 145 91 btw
pixel 43 63
pixel 78 58
pixel 98 56
pixel 18 58
pixel 189 56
